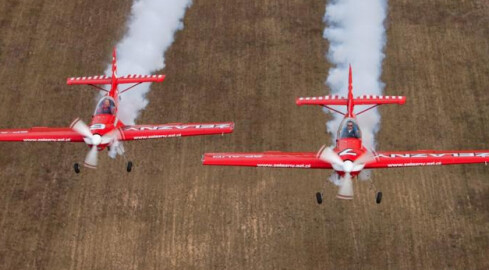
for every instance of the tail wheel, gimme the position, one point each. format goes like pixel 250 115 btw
pixel 378 198
pixel 129 166
pixel 76 167
pixel 319 198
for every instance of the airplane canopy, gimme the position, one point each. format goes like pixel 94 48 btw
pixel 106 105
pixel 349 129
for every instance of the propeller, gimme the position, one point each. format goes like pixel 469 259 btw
pixel 92 139
pixel 346 189
pixel 327 154
pixel 91 158
pixel 116 148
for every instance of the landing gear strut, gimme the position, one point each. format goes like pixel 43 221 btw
pixel 129 166
pixel 319 197
pixel 76 167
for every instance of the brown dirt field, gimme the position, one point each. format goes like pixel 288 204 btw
pixel 242 61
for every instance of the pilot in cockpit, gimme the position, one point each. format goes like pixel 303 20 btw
pixel 106 107
pixel 350 131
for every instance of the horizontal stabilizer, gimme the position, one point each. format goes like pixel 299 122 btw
pixel 141 78
pixel 322 100
pixel 340 100
pixel 102 79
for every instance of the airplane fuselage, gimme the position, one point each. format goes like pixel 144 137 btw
pixel 349 142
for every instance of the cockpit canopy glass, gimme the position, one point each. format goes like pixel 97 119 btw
pixel 349 129
pixel 105 106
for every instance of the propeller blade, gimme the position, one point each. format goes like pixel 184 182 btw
pixel 116 148
pixel 109 137
pixel 346 189
pixel 360 162
pixel 327 154
pixel 120 148
pixel 81 128
pixel 91 158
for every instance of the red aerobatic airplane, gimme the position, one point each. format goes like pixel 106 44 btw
pixel 349 157
pixel 106 130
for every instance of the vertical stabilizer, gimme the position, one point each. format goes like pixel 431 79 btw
pixel 114 63
pixel 350 104
pixel 114 82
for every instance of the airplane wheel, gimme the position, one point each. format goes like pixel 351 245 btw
pixel 129 166
pixel 76 167
pixel 319 197
pixel 378 198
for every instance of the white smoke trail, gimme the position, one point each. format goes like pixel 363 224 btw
pixel 356 34
pixel 151 30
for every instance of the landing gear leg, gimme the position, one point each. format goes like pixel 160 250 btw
pixel 76 167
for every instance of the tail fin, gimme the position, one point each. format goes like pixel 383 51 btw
pixel 114 63
pixel 350 101
pixel 102 79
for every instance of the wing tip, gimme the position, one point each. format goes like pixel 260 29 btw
pixel 204 159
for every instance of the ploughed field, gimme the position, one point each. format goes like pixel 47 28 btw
pixel 242 61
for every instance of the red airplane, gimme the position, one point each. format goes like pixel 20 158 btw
pixel 106 130
pixel 349 157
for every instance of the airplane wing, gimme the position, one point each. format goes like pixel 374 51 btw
pixel 382 160
pixel 274 159
pixel 426 158
pixel 142 132
pixel 40 134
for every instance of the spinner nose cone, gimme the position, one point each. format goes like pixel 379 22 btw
pixel 96 139
pixel 347 166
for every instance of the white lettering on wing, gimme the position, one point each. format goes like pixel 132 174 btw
pixel 432 155
pixel 176 127
pixel 237 156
